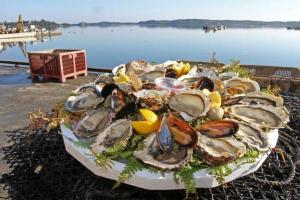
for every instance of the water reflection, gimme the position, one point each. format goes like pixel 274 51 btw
pixel 21 43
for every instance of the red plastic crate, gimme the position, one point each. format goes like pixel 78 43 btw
pixel 58 63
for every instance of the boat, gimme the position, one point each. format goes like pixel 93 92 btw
pixel 17 35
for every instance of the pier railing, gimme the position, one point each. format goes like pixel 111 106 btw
pixel 286 78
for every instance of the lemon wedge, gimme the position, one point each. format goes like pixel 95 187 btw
pixel 185 69
pixel 150 125
pixel 215 99
pixel 122 78
pixel 145 127
pixel 148 115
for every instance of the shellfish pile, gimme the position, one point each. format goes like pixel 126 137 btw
pixel 179 109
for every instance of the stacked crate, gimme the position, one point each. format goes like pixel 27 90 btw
pixel 58 63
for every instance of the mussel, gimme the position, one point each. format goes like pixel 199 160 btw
pixel 219 128
pixel 204 83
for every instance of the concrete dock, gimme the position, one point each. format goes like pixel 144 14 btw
pixel 19 96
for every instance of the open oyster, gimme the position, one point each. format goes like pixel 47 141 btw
pixel 153 155
pixel 262 98
pixel 118 131
pixel 152 75
pixel 252 136
pixel 241 86
pixel 217 151
pixel 152 99
pixel 82 102
pixel 93 123
pixel 260 115
pixel 190 104
pixel 87 87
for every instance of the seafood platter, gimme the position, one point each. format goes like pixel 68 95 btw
pixel 172 125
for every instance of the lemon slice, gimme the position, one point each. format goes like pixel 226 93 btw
pixel 185 69
pixel 215 99
pixel 148 115
pixel 145 127
pixel 177 68
pixel 122 78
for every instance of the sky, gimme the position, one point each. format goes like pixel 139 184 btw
pixel 74 11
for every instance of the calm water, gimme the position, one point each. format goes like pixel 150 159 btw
pixel 107 47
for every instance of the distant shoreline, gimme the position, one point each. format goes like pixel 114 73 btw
pixel 193 23
pixel 178 23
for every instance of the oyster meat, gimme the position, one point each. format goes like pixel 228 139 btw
pixel 152 75
pixel 217 151
pixel 152 99
pixel 153 155
pixel 190 104
pixel 253 136
pixel 240 86
pixel 262 98
pixel 82 102
pixel 118 131
pixel 93 123
pixel 260 115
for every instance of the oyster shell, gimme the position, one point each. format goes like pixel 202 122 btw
pixel 87 87
pixel 152 75
pixel 190 104
pixel 241 85
pixel 260 115
pixel 120 130
pixel 217 151
pixel 119 69
pixel 82 102
pixel 152 99
pixel 219 128
pixel 93 123
pixel 153 155
pixel 138 67
pixel 117 100
pixel 228 75
pixel 101 81
pixel 262 98
pixel 252 136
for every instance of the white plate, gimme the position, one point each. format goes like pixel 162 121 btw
pixel 155 181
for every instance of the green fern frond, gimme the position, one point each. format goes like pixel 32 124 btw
pixel 129 170
pixel 186 175
pixel 235 66
pixel 220 172
pixel 103 161
pixel 250 157
pixel 135 142
pixel 116 150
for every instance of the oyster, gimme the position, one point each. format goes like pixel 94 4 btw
pixel 119 69
pixel 153 155
pixel 152 99
pixel 261 98
pixel 228 75
pixel 189 80
pixel 260 115
pixel 190 104
pixel 82 102
pixel 219 128
pixel 93 123
pixel 138 67
pixel 87 87
pixel 217 151
pixel 118 131
pixel 241 85
pixel 152 75
pixel 253 136
pixel 215 113
pixel 101 81
pixel 181 131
